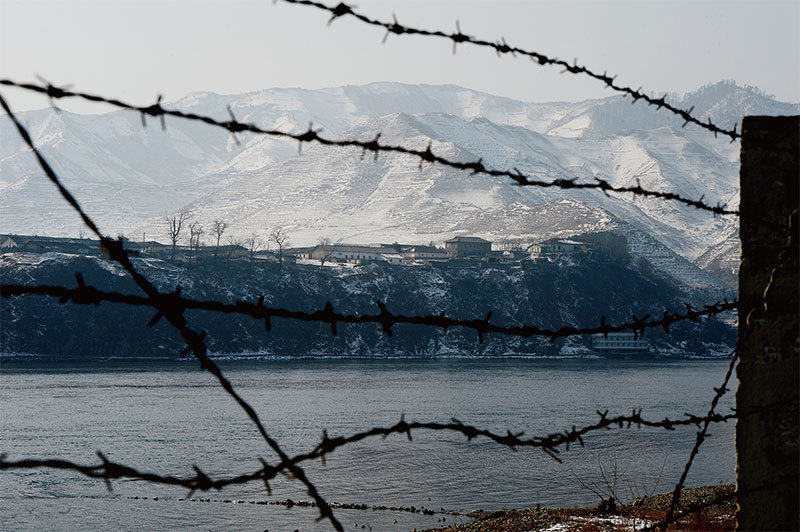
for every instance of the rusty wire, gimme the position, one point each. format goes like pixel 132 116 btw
pixel 167 307
pixel 501 47
pixel 792 224
pixel 172 306
pixel 292 503
pixel 374 146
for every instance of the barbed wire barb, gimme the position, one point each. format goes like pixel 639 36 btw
pixel 194 340
pixel 501 47
pixel 174 302
pixel 312 135
pixel 550 444
pixel 700 437
pixel 172 306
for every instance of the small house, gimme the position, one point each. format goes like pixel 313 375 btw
pixel 346 253
pixel 391 258
pixel 424 253
pixel 467 246
pixel 556 247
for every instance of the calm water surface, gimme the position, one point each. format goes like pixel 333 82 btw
pixel 168 416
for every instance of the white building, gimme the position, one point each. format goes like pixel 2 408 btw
pixel 355 254
pixel 392 258
pixel 619 343
pixel 556 247
pixel 423 253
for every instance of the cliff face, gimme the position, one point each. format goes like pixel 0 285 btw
pixel 577 291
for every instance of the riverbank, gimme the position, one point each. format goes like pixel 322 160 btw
pixel 636 515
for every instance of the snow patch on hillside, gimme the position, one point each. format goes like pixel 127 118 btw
pixel 128 177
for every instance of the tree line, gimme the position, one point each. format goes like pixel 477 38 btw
pixel 180 226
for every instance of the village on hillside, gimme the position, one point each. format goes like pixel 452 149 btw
pixel 459 250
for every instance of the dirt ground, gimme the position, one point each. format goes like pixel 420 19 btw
pixel 636 515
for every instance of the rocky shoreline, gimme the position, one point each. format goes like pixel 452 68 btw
pixel 636 515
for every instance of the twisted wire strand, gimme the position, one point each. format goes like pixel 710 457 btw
pixel 791 229
pixel 374 146
pixel 699 506
pixel 176 303
pixel 194 340
pixel 501 47
pixel 550 444
pixel 108 470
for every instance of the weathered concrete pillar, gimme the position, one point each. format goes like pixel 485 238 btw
pixel 769 343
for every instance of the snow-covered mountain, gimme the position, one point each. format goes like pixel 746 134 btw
pixel 128 177
pixel 722 260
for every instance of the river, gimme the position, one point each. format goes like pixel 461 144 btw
pixel 166 416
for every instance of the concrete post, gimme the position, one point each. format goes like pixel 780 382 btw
pixel 769 348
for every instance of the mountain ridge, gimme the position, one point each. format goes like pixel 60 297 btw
pixel 130 176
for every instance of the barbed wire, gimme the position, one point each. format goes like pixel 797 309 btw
pixel 700 438
pixel 165 305
pixel 701 505
pixel 550 444
pixel 792 225
pixel 194 340
pixel 108 470
pixel 176 303
pixel 791 229
pixel 501 47
pixel 172 306
pixel 374 146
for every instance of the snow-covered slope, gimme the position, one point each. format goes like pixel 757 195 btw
pixel 129 177
pixel 722 260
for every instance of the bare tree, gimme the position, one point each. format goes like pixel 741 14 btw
pixel 195 231
pixel 217 230
pixel 607 490
pixel 232 243
pixel 327 250
pixel 175 227
pixel 281 239
pixel 252 243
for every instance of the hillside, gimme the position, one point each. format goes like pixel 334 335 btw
pixel 128 176
pixel 575 291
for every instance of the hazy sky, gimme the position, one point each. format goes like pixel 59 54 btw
pixel 135 50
